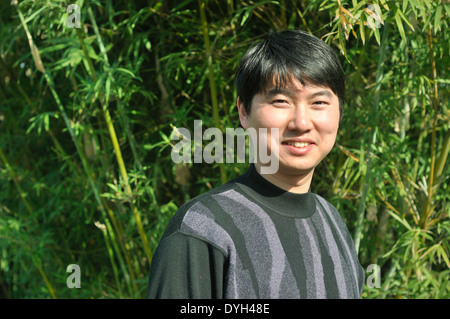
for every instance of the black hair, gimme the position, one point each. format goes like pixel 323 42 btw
pixel 283 55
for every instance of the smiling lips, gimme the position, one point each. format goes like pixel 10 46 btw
pixel 298 144
pixel 298 147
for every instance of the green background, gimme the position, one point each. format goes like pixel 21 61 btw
pixel 87 115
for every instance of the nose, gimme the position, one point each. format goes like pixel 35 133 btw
pixel 301 119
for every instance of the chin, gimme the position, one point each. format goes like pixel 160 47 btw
pixel 299 169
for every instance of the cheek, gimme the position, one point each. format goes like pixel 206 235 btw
pixel 263 117
pixel 328 125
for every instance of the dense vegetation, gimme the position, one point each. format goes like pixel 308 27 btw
pixel 87 116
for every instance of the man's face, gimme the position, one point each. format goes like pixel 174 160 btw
pixel 307 118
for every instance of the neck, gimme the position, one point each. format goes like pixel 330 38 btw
pixel 298 183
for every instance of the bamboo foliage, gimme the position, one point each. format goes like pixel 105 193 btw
pixel 87 115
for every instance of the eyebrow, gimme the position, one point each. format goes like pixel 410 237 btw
pixel 291 93
pixel 275 91
pixel 326 93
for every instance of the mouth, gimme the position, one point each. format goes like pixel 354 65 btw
pixel 297 144
pixel 298 148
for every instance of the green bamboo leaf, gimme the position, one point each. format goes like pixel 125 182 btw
pixel 405 19
pixel 379 14
pixel 376 32
pixel 165 138
pixel 53 48
pixel 35 13
pixel 341 35
pixel 152 146
pixel 148 44
pixel 178 7
pixel 108 88
pixel 443 254
pixel 41 120
pixel 62 63
pixel 33 48
pixel 399 23
pixel 437 19
pixel 447 8
pixel 362 31
pixel 123 70
pixel 405 5
pixel 246 15
pixel 46 123
pixel 401 220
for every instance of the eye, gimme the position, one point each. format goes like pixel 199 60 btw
pixel 320 103
pixel 280 102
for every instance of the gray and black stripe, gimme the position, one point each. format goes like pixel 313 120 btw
pixel 272 243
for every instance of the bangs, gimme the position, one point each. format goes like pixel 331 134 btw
pixel 280 78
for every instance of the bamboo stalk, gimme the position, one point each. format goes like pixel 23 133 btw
pixel 30 210
pixel 2 155
pixel 117 149
pixel 212 82
pixel 14 178
pixel 113 263
pixel 442 158
pixel 422 135
pixel 91 176
pixel 22 92
pixel 130 135
pixel 373 125
pixel 117 227
pixel 111 245
pixel 44 276
pixel 88 171
pixel 427 210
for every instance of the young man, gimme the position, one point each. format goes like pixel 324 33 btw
pixel 267 235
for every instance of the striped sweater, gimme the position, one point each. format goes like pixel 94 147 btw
pixel 250 239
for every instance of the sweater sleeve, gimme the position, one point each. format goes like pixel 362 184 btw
pixel 185 267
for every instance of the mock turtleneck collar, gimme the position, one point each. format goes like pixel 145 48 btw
pixel 275 198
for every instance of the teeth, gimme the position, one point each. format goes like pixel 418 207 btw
pixel 298 144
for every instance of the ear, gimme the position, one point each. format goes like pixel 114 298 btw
pixel 243 116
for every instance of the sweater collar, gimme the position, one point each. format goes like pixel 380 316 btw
pixel 275 198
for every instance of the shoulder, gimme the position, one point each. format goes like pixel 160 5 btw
pixel 333 217
pixel 326 206
pixel 201 218
pixel 330 213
